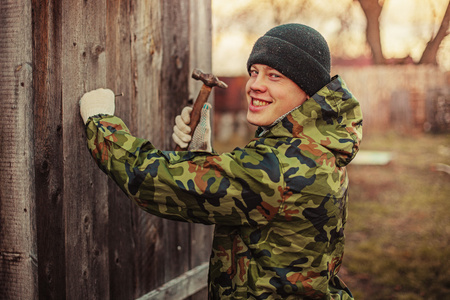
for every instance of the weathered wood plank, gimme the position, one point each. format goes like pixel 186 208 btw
pixel 200 251
pixel 175 71
pixel 174 94
pixel 200 42
pixel 181 287
pixel 102 246
pixel 149 267
pixel 200 37
pixel 119 79
pixel 146 63
pixel 85 186
pixel 415 78
pixel 18 261
pixel 48 148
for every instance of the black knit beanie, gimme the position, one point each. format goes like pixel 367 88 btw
pixel 297 51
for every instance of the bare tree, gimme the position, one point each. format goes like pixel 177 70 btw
pixel 430 52
pixel 251 15
pixel 372 10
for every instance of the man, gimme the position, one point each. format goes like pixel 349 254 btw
pixel 280 203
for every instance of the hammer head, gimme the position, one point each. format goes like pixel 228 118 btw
pixel 208 79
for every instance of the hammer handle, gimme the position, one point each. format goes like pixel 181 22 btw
pixel 196 113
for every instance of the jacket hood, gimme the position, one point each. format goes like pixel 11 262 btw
pixel 332 118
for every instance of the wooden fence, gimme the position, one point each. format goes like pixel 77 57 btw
pixel 67 232
pixel 393 97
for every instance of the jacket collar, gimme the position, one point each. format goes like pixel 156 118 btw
pixel 332 118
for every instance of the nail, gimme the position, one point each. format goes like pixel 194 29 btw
pixel 118 95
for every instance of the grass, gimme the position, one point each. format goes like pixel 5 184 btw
pixel 398 232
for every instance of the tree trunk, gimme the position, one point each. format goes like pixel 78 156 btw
pixel 430 52
pixel 372 9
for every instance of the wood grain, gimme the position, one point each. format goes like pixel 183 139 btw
pixel 48 148
pixel 18 257
pixel 66 231
pixel 85 186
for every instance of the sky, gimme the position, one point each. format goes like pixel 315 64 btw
pixel 406 26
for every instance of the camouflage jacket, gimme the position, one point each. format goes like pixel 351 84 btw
pixel 279 204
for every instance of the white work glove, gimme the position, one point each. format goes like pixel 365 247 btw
pixel 202 135
pixel 99 101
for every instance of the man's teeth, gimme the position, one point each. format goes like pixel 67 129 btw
pixel 260 103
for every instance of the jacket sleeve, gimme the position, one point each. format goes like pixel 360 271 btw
pixel 243 187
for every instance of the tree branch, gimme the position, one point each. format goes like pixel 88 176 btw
pixel 372 9
pixel 430 52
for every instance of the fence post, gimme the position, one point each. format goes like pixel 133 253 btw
pixel 18 261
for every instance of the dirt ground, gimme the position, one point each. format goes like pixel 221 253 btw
pixel 398 231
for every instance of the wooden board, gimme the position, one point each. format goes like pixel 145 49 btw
pixel 200 27
pixel 85 186
pixel 92 241
pixel 48 146
pixel 174 95
pixel 120 208
pixel 146 63
pixel 18 257
pixel 182 287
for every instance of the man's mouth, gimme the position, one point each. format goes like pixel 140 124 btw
pixel 259 103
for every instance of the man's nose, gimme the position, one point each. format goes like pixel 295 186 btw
pixel 259 83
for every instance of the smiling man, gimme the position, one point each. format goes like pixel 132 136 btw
pixel 280 203
pixel 270 95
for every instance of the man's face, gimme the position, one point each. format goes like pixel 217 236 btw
pixel 270 95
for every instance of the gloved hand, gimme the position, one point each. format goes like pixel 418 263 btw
pixel 99 101
pixel 201 140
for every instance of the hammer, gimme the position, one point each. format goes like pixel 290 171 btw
pixel 209 81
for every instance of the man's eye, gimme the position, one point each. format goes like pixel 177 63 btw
pixel 274 75
pixel 253 72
